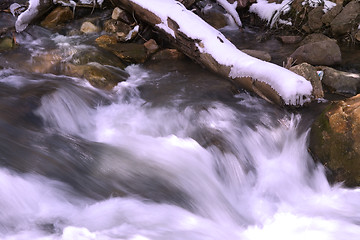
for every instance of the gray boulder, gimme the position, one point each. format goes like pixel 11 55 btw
pixel 325 52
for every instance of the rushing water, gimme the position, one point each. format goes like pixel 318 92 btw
pixel 173 152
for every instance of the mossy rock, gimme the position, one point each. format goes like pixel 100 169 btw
pixel 335 141
pixel 6 43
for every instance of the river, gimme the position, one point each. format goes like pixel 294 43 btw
pixel 173 152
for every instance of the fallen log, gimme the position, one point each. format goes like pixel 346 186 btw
pixel 210 48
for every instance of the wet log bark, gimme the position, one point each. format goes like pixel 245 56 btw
pixel 190 47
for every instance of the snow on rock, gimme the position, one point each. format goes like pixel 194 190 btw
pixel 270 12
pixel 293 88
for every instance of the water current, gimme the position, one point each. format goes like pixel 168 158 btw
pixel 173 152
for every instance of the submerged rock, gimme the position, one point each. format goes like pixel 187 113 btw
pixel 335 141
pixel 96 74
pixel 128 52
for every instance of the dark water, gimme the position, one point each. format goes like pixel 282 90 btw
pixel 173 152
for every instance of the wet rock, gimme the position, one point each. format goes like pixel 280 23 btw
pixel 335 141
pixel 314 18
pixel 347 19
pixel 58 16
pixel 97 75
pixel 339 81
pixel 265 56
pixel 151 46
pixel 101 57
pixel 113 26
pixel 105 40
pixel 318 53
pixel 290 39
pixel 167 54
pixel 331 14
pixel 310 73
pixel 88 27
pixel 6 43
pixel 128 52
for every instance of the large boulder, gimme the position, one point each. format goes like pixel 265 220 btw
pixel 318 53
pixel 339 81
pixel 335 141
pixel 347 19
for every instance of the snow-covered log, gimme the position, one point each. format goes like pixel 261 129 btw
pixel 209 47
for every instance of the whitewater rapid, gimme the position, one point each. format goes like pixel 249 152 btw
pixel 132 167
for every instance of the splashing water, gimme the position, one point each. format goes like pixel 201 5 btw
pixel 178 169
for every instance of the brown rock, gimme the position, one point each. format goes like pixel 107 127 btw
pixel 105 40
pixel 318 53
pixel 314 18
pixel 309 72
pixel 331 14
pixel 88 27
pixel 151 46
pixel 58 16
pixel 335 141
pixel 347 19
pixel 265 56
